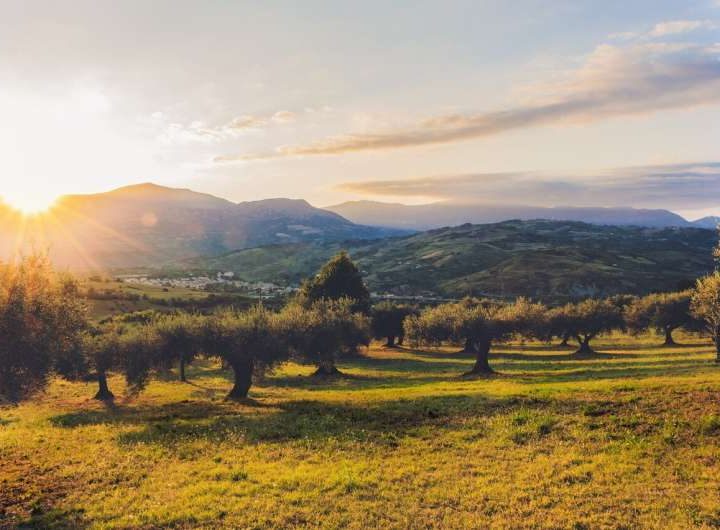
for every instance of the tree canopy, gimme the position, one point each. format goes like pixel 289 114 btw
pixel 338 278
pixel 42 318
pixel 387 321
pixel 586 320
pixel 664 312
pixel 324 332
pixel 705 305
pixel 250 342
pixel 180 338
pixel 475 323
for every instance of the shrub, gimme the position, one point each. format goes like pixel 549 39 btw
pixel 42 317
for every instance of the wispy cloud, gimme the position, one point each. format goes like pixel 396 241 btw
pixel 284 116
pixel 198 131
pixel 675 186
pixel 614 81
pixel 674 27
pixel 246 122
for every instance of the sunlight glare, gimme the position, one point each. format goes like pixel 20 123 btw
pixel 30 203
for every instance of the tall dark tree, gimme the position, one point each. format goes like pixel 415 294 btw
pixel 250 342
pixel 664 312
pixel 387 321
pixel 325 332
pixel 42 318
pixel 338 278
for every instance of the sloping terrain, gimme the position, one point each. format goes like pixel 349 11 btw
pixel 147 225
pixel 543 259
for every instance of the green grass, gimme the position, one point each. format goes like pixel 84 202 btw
pixel 630 439
pixel 151 297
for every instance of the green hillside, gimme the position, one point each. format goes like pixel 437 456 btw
pixel 552 260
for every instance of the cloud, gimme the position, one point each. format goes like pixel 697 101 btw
pixel 676 186
pixel 614 81
pixel 674 27
pixel 198 131
pixel 284 116
pixel 246 122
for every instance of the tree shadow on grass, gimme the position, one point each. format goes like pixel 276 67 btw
pixel 629 372
pixel 138 414
pixel 303 420
pixel 312 421
pixel 382 425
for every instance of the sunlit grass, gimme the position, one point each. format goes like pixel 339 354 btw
pixel 628 439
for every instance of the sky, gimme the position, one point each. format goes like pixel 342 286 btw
pixel 564 102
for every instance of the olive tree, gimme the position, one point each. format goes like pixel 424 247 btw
pixel 387 322
pixel 477 325
pixel 705 306
pixel 590 318
pixel 325 332
pixel 664 312
pixel 133 351
pixel 559 324
pixel 180 339
pixel 42 318
pixel 249 341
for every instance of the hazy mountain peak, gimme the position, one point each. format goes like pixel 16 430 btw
pixel 289 207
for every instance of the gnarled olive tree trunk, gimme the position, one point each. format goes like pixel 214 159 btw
pixel 326 368
pixel 243 372
pixel 103 393
pixel 584 342
pixel 669 341
pixel 482 358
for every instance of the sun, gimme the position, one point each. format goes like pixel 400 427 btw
pixel 30 203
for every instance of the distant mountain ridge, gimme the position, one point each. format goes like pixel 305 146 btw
pixel 549 260
pixel 147 225
pixel 707 222
pixel 441 214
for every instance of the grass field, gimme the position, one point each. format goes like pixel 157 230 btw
pixel 630 439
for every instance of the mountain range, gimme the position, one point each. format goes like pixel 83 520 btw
pixel 549 260
pixel 148 225
pixel 451 213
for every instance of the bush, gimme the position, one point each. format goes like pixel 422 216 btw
pixel 42 317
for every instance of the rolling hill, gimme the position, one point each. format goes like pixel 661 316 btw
pixel 147 225
pixel 551 260
pixel 448 213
